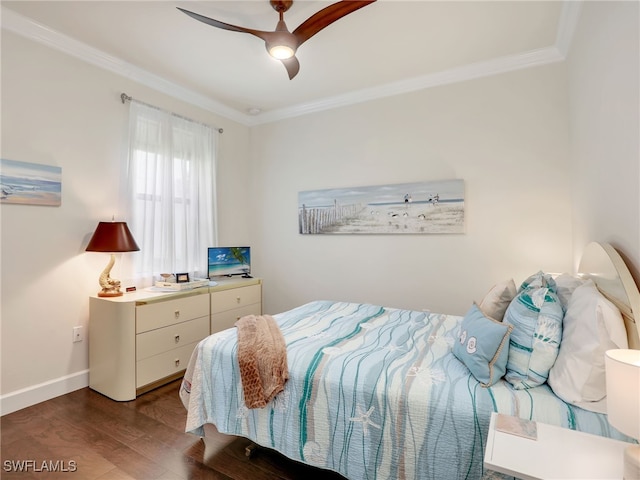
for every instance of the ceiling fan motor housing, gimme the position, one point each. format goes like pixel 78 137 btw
pixel 281 5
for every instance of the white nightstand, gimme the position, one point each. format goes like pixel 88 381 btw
pixel 558 453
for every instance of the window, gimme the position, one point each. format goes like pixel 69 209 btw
pixel 170 183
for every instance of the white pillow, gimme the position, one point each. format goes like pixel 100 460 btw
pixel 495 303
pixel 565 286
pixel 591 326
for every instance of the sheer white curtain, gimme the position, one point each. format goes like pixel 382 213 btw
pixel 171 192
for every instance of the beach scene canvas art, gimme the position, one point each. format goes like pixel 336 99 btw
pixel 413 208
pixel 30 183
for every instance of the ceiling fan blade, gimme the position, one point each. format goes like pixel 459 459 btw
pixel 226 26
pixel 292 65
pixel 326 17
pixel 281 35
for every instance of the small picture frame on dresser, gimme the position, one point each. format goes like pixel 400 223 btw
pixel 182 278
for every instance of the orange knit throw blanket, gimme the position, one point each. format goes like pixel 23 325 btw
pixel 262 356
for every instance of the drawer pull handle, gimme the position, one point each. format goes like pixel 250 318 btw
pixel 177 313
pixel 238 299
pixel 177 337
pixel 177 362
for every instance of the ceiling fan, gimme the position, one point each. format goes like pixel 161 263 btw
pixel 281 43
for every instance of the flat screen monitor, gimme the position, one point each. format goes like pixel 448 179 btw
pixel 229 261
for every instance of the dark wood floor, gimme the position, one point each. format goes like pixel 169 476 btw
pixel 142 439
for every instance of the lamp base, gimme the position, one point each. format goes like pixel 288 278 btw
pixel 110 286
pixel 110 294
pixel 632 463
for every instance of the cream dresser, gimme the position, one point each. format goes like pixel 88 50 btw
pixel 144 339
pixel 231 300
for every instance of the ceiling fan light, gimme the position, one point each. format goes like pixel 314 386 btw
pixel 281 52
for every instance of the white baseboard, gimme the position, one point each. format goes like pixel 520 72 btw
pixel 26 397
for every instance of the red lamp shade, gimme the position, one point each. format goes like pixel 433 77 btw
pixel 112 237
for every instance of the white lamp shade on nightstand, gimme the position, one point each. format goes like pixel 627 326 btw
pixel 623 402
pixel 623 390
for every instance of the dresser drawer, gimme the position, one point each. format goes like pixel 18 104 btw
pixel 223 320
pixel 159 366
pixel 162 314
pixel 235 298
pixel 163 339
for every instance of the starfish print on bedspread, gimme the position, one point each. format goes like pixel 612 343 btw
pixel 364 418
pixel 435 375
pixel 243 411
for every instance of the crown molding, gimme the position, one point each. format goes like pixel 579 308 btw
pixel 455 75
pixel 37 32
pixel 569 16
pixel 28 28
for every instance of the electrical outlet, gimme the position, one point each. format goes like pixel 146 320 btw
pixel 77 334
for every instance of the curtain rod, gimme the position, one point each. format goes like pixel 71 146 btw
pixel 126 98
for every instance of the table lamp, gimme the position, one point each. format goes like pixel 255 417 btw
pixel 111 237
pixel 623 402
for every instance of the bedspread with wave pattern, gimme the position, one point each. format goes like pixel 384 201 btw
pixel 374 393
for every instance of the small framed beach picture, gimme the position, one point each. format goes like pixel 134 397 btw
pixel 182 278
pixel 406 208
pixel 30 183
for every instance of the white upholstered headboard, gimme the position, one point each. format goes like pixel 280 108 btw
pixel 603 264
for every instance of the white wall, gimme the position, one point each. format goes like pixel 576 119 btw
pixel 604 84
pixel 505 136
pixel 57 110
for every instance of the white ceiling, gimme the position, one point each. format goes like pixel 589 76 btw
pixel 386 48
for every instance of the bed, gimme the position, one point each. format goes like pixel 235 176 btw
pixel 384 393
